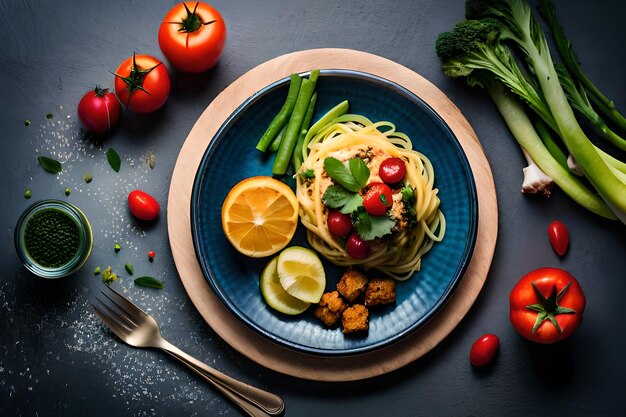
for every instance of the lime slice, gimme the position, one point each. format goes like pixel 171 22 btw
pixel 274 294
pixel 301 274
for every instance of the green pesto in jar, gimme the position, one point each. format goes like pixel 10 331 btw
pixel 51 238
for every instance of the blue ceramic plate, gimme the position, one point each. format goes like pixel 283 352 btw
pixel 231 157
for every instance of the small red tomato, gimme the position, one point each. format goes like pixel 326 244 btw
pixel 392 170
pixel 484 349
pixel 142 83
pixel 357 247
pixel 151 255
pixel 143 205
pixel 546 305
pixel 377 199
pixel 99 110
pixel 339 224
pixel 559 237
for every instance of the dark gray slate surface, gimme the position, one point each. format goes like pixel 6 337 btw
pixel 56 360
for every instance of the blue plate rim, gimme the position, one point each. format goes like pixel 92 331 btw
pixel 463 264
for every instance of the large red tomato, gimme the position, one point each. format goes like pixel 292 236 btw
pixel 546 305
pixel 192 36
pixel 142 83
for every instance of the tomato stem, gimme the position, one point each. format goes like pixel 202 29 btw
pixel 548 308
pixel 99 91
pixel 134 80
pixel 192 22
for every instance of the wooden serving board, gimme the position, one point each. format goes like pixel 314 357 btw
pixel 253 345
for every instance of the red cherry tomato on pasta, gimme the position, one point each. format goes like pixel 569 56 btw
pixel 99 110
pixel 339 224
pixel 357 247
pixel 559 237
pixel 484 349
pixel 377 199
pixel 143 206
pixel 192 36
pixel 392 170
pixel 142 83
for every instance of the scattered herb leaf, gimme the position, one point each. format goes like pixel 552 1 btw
pixel 149 282
pixel 359 171
pixel 307 174
pixel 68 191
pixel 342 175
pixel 49 164
pixel 108 277
pixel 352 204
pixel 114 160
pixel 129 268
pixel 28 194
pixel 117 247
pixel 372 227
pixel 87 177
pixel 27 122
pixel 96 271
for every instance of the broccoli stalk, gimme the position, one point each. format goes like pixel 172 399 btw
pixel 564 47
pixel 522 29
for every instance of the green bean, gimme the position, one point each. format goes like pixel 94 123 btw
pixel 281 119
pixel 276 142
pixel 283 157
pixel 296 158
pixel 339 110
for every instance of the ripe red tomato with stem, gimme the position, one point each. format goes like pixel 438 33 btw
pixel 392 170
pixel 143 206
pixel 377 199
pixel 99 111
pixel 484 349
pixel 559 237
pixel 142 83
pixel 546 305
pixel 192 36
pixel 339 224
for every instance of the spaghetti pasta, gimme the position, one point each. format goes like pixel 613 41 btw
pixel 399 253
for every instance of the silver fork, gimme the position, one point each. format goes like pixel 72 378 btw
pixel 138 329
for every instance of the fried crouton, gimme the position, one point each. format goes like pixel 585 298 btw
pixel 352 284
pixel 330 308
pixel 380 291
pixel 355 319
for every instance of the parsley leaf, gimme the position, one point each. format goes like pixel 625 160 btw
pixel 307 174
pixel 359 171
pixel 372 227
pixel 352 204
pixel 337 196
pixel 342 175
pixel 407 194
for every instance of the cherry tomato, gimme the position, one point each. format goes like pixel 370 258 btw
pixel 339 224
pixel 142 83
pixel 392 170
pixel 151 255
pixel 99 110
pixel 559 237
pixel 484 349
pixel 377 199
pixel 357 247
pixel 192 36
pixel 143 206
pixel 546 305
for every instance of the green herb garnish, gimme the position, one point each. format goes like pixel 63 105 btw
pixel 129 268
pixel 108 277
pixel 51 165
pixel 149 282
pixel 117 248
pixel 372 227
pixel 68 191
pixel 114 160
pixel 359 171
pixel 307 174
pixel 96 271
pixel 87 177
pixel 27 122
pixel 28 194
pixel 342 175
pixel 345 195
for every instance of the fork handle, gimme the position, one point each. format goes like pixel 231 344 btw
pixel 254 401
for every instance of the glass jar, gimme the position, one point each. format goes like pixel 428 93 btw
pixel 53 238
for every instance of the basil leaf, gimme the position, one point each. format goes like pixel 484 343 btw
pixel 352 204
pixel 49 164
pixel 149 282
pixel 336 196
pixel 342 176
pixel 372 227
pixel 359 171
pixel 114 160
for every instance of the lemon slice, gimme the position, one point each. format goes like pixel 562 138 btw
pixel 301 274
pixel 275 295
pixel 260 216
